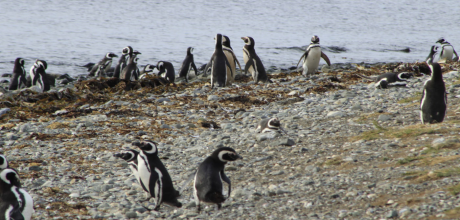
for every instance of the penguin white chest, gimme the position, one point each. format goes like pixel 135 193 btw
pixel 311 63
pixel 446 54
pixel 143 170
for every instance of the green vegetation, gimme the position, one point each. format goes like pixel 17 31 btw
pixel 408 160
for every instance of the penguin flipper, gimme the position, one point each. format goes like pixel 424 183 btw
pixel 194 68
pixel 303 55
pixel 366 77
pixel 248 65
pixel 456 58
pixel 324 56
pixel 236 60
pixel 227 180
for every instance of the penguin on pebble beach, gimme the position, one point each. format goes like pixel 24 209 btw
pixel 433 104
pixel 231 57
pixel 208 182
pixel 166 70
pixel 130 156
pixel 447 51
pixel 253 63
pixel 269 124
pixel 18 80
pixel 312 56
pixel 15 202
pixel 218 64
pixel 106 61
pixel 154 175
pixel 187 65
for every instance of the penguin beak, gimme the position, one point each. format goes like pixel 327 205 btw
pixel 244 38
pixel 237 156
pixel 119 155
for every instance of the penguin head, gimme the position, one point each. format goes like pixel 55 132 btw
pixel 225 154
pixel 441 40
pixel 3 162
pixel 41 64
pixel 274 123
pixel 315 39
pixel 226 41
pixel 9 176
pixel 249 41
pixel 148 147
pixel 405 75
pixel 383 83
pixel 127 155
pixel 127 50
pixel 19 61
pixel 135 60
pixel 190 50
pixel 148 68
pixel 111 55
pixel 161 66
pixel 218 39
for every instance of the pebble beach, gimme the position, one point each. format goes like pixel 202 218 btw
pixel 351 151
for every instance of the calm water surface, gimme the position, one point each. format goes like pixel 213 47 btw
pixel 71 33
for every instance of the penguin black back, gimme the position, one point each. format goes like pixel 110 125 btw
pixel 154 175
pixel 18 79
pixel 208 185
pixel 218 64
pixel 433 103
pixel 188 64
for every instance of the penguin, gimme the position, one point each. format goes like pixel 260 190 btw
pixel 147 69
pixel 131 72
pixel 218 64
pixel 383 80
pixel 187 65
pixel 166 70
pixel 433 103
pixel 130 156
pixel 40 77
pixel 253 63
pixel 154 175
pixel 3 162
pixel 268 125
pixel 447 51
pixel 107 61
pixel 312 56
pixel 208 185
pixel 228 51
pixel 15 202
pixel 18 80
pixel 122 61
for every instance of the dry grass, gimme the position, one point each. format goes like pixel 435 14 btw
pixel 57 125
pixel 416 97
pixel 406 132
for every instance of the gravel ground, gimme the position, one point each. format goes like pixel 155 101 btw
pixel 351 151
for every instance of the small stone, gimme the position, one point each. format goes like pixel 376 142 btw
pixel 165 126
pixel 161 100
pixel 392 214
pixel 74 195
pixel 383 118
pixel 335 114
pixel 131 215
pixel 213 97
pixel 356 107
pixel 286 142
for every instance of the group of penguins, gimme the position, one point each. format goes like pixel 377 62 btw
pixel 221 66
pixel 15 202
pixel 149 171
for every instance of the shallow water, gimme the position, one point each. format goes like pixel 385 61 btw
pixel 72 33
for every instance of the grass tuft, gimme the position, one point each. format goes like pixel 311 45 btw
pixel 408 160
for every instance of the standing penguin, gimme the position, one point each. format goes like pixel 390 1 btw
pixel 312 56
pixel 218 65
pixel 130 156
pixel 187 65
pixel 40 75
pixel 122 61
pixel 447 51
pixel 18 81
pixel 15 203
pixel 433 103
pixel 106 61
pixel 253 63
pixel 131 71
pixel 228 51
pixel 154 175
pixel 166 70
pixel 208 185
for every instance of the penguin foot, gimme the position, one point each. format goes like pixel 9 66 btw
pixel 219 206
pixel 198 208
